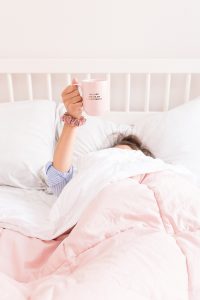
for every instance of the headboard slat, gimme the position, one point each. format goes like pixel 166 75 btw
pixel 30 86
pixel 10 87
pixel 167 92
pixel 147 92
pixel 187 87
pixel 49 87
pixel 128 92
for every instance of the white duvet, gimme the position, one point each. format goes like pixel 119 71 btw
pixel 42 215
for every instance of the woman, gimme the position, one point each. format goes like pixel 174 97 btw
pixel 60 170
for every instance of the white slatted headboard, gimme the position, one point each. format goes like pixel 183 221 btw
pixel 137 86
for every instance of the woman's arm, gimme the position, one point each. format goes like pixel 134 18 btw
pixel 72 100
pixel 60 171
pixel 63 152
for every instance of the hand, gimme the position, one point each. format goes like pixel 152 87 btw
pixel 72 100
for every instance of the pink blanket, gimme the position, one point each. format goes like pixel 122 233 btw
pixel 138 239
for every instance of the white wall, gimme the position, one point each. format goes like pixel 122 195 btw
pixel 100 28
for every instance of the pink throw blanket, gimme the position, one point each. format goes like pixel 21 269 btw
pixel 138 239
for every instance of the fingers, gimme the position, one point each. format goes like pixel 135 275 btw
pixel 69 89
pixel 79 104
pixel 72 94
pixel 72 87
pixel 73 100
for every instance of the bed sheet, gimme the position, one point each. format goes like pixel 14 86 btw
pixel 24 206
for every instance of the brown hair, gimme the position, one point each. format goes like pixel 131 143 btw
pixel 133 142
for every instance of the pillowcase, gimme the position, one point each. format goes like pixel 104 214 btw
pixel 27 137
pixel 174 136
pixel 94 135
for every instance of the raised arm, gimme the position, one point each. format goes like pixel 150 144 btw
pixel 72 100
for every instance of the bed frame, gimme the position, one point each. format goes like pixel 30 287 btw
pixel 138 87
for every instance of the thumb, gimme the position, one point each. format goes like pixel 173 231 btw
pixel 74 80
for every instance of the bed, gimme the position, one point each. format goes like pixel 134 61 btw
pixel 118 230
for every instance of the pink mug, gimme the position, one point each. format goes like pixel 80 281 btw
pixel 95 94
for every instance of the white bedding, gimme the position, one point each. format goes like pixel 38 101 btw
pixel 22 208
pixel 41 215
pixel 26 142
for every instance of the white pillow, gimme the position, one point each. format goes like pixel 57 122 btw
pixel 94 135
pixel 27 137
pixel 174 136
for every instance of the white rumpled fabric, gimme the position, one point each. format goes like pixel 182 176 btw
pixel 32 214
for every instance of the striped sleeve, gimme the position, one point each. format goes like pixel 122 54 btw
pixel 56 179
